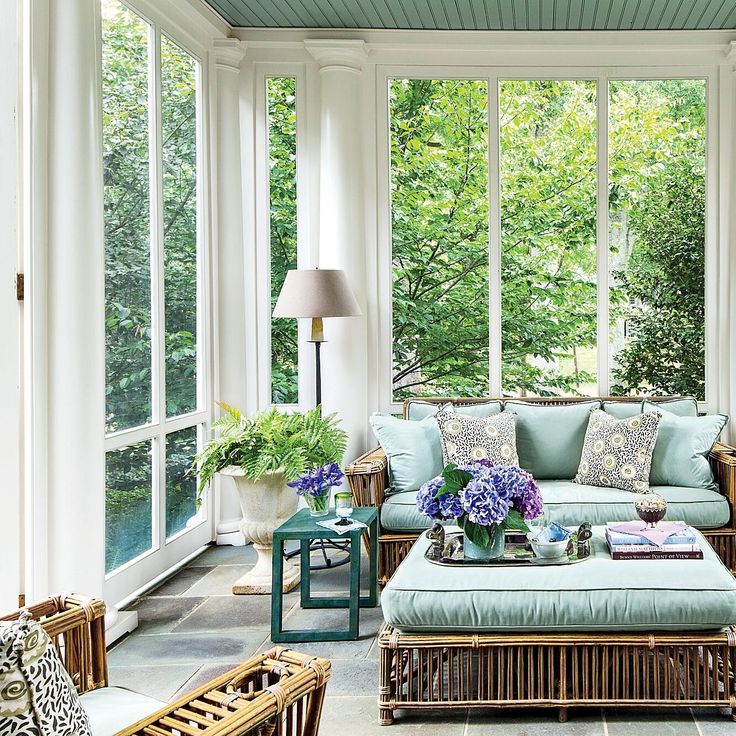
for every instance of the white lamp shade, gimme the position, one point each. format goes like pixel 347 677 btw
pixel 316 293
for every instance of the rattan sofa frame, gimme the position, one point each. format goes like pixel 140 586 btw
pixel 368 479
pixel 459 671
pixel 279 692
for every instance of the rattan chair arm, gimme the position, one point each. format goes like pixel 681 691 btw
pixel 234 704
pixel 723 462
pixel 368 478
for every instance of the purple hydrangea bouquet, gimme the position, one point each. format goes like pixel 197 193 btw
pixel 315 486
pixel 485 500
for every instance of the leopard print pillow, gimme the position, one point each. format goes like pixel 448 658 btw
pixel 465 439
pixel 618 452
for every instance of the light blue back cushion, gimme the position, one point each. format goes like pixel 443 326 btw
pixel 418 410
pixel 681 452
pixel 682 407
pixel 622 409
pixel 413 450
pixel 549 439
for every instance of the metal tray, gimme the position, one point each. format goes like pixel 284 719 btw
pixel 448 550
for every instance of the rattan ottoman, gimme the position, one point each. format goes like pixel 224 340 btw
pixel 489 637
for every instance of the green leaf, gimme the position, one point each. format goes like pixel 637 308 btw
pixel 476 533
pixel 515 521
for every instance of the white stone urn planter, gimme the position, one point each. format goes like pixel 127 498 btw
pixel 266 504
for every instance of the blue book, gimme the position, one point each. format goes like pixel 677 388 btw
pixel 686 536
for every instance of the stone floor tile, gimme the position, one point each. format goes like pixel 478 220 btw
pixel 181 582
pixel 223 613
pixel 203 675
pixel 196 649
pixel 332 650
pixel 225 555
pixel 158 615
pixel 659 722
pixel 218 580
pixel 714 721
pixel 156 681
pixel 371 619
pixel 353 677
pixel 535 722
pixel 358 716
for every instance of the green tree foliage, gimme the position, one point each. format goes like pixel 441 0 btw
pixel 281 95
pixel 439 189
pixel 128 271
pixel 657 203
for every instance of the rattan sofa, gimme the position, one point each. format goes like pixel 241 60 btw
pixel 369 481
pixel 280 691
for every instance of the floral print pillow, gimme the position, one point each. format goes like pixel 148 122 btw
pixel 618 452
pixel 465 439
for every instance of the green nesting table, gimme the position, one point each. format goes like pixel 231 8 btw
pixel 303 527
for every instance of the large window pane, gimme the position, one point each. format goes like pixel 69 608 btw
pixel 179 155
pixel 548 237
pixel 181 488
pixel 439 238
pixel 127 219
pixel 657 236
pixel 128 504
pixel 281 98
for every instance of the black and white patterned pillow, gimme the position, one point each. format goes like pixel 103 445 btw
pixel 465 439
pixel 55 706
pixel 618 452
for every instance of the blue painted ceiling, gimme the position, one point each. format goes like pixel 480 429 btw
pixel 482 15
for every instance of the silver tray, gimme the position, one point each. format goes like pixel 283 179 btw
pixel 448 550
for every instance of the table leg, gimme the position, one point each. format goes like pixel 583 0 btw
pixel 277 586
pixel 373 565
pixel 354 585
pixel 305 589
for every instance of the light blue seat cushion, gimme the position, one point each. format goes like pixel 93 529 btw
pixel 413 450
pixel 549 439
pixel 681 451
pixel 111 709
pixel 418 410
pixel 571 504
pixel 599 594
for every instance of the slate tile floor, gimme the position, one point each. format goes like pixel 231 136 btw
pixel 191 629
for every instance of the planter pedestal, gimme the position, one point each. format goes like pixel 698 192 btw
pixel 266 504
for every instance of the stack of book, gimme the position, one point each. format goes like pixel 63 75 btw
pixel 682 545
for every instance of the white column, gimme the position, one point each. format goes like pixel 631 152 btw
pixel 342 230
pixel 230 265
pixel 74 305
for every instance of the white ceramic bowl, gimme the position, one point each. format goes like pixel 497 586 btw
pixel 548 550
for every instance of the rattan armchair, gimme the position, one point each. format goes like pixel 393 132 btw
pixel 368 479
pixel 280 691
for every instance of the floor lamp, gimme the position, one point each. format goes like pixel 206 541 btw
pixel 314 294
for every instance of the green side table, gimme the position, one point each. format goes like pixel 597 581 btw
pixel 303 527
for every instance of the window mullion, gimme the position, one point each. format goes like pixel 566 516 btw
pixel 157 294
pixel 603 321
pixel 494 239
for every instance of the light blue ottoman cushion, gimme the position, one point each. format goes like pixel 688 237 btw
pixel 599 594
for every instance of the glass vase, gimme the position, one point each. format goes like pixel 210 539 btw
pixel 494 550
pixel 319 505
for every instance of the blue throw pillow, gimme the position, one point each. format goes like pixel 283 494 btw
pixel 418 410
pixel 413 450
pixel 683 443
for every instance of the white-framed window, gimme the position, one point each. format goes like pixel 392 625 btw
pixel 517 236
pixel 155 294
pixel 282 188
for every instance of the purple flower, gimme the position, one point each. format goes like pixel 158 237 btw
pixel 318 481
pixel 487 496
pixel 426 501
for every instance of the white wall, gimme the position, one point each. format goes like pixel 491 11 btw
pixel 11 518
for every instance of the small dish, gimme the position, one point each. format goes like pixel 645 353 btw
pixel 547 550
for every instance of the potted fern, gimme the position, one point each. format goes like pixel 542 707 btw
pixel 262 453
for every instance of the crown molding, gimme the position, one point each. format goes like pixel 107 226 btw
pixel 343 54
pixel 228 53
